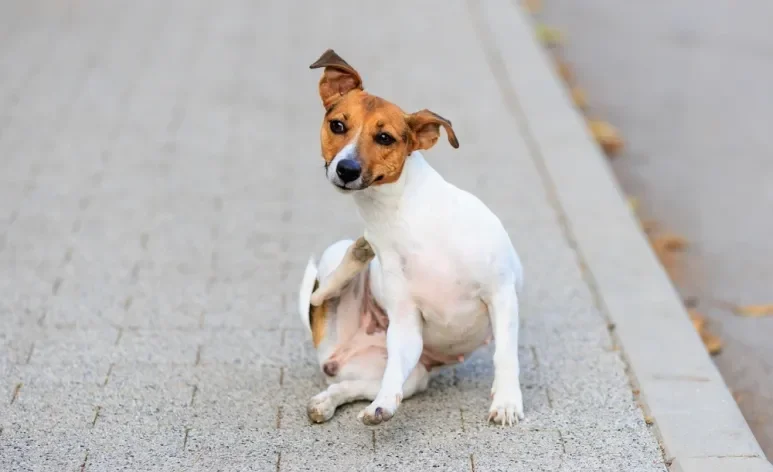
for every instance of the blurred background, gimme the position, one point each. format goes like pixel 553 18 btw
pixel 687 85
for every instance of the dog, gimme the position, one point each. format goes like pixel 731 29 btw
pixel 434 276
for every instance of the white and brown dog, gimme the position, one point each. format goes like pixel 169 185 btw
pixel 434 276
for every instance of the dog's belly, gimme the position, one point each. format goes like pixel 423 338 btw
pixel 455 319
pixel 455 332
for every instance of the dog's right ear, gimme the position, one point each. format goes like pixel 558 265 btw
pixel 338 79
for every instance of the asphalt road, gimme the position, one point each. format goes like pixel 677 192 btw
pixel 689 86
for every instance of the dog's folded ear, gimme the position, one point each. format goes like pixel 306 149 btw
pixel 426 128
pixel 338 79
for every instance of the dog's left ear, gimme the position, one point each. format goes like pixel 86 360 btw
pixel 338 79
pixel 426 127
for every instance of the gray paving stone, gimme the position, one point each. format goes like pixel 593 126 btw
pixel 225 377
pixel 249 450
pixel 602 450
pixel 74 347
pixel 146 396
pixel 242 347
pixel 159 346
pixel 420 450
pixel 136 448
pixel 48 375
pixel 495 449
pixel 34 449
pixel 50 407
pixel 240 409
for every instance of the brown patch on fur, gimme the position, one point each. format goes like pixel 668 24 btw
pixel 370 103
pixel 317 319
pixel 318 323
pixel 369 116
pixel 366 116
pixel 426 126
pixel 338 78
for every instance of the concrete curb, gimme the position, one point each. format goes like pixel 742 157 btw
pixel 698 422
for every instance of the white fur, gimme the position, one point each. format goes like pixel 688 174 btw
pixel 448 274
pixel 304 293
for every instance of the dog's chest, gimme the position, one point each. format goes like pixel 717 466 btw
pixel 439 283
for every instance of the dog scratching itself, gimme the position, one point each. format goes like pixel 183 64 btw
pixel 356 258
pixel 436 278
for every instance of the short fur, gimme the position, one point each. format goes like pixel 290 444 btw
pixel 445 275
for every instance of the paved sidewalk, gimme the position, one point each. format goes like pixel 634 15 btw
pixel 161 190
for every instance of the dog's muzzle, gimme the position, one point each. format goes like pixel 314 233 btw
pixel 348 170
pixel 346 175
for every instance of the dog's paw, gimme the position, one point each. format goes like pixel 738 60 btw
pixel 382 409
pixel 320 408
pixel 507 406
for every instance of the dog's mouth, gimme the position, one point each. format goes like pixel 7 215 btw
pixel 343 188
pixel 361 183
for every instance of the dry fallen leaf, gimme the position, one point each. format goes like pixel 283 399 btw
pixel 607 136
pixel 564 71
pixel 691 301
pixel 533 6
pixel 754 311
pixel 648 226
pixel 579 98
pixel 698 320
pixel 633 204
pixel 669 262
pixel 712 342
pixel 549 36
pixel 670 242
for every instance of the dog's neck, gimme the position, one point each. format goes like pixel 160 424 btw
pixel 381 205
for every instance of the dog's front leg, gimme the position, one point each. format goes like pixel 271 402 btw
pixel 507 405
pixel 404 346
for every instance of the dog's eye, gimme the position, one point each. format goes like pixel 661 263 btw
pixel 384 139
pixel 337 127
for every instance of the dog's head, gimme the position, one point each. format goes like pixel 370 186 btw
pixel 366 139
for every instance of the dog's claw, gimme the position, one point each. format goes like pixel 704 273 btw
pixel 379 411
pixel 504 417
pixel 507 405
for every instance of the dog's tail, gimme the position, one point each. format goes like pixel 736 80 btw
pixel 308 285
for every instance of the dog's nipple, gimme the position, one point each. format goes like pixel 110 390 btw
pixel 330 368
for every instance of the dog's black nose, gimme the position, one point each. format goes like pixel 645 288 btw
pixel 348 170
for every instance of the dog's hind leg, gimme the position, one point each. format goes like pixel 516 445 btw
pixel 322 406
pixel 355 260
